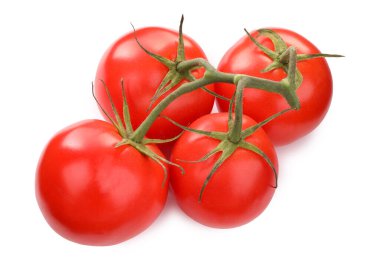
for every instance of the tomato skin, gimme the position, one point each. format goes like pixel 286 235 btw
pixel 315 92
pixel 142 76
pixel 240 189
pixel 93 193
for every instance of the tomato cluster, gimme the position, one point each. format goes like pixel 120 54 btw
pixel 102 182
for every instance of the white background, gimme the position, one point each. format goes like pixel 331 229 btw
pixel 327 205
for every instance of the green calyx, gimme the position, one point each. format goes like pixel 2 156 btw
pixel 279 56
pixel 174 76
pixel 125 129
pixel 226 147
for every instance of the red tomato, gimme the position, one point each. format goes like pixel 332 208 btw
pixel 142 76
pixel 240 189
pixel 93 193
pixel 314 93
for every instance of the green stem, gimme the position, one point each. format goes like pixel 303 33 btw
pixel 141 131
pixel 292 67
pixel 211 72
pixel 284 57
pixel 235 133
pixel 267 85
pixel 187 65
pixel 211 76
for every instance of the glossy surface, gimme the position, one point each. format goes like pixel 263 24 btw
pixel 93 193
pixel 143 74
pixel 239 190
pixel 314 93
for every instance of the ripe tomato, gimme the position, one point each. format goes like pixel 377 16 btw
pixel 240 189
pixel 314 93
pixel 142 75
pixel 93 193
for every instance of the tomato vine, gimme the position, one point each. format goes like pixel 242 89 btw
pixel 110 156
pixel 180 69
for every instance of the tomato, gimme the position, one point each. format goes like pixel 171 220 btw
pixel 94 193
pixel 314 93
pixel 239 190
pixel 142 75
